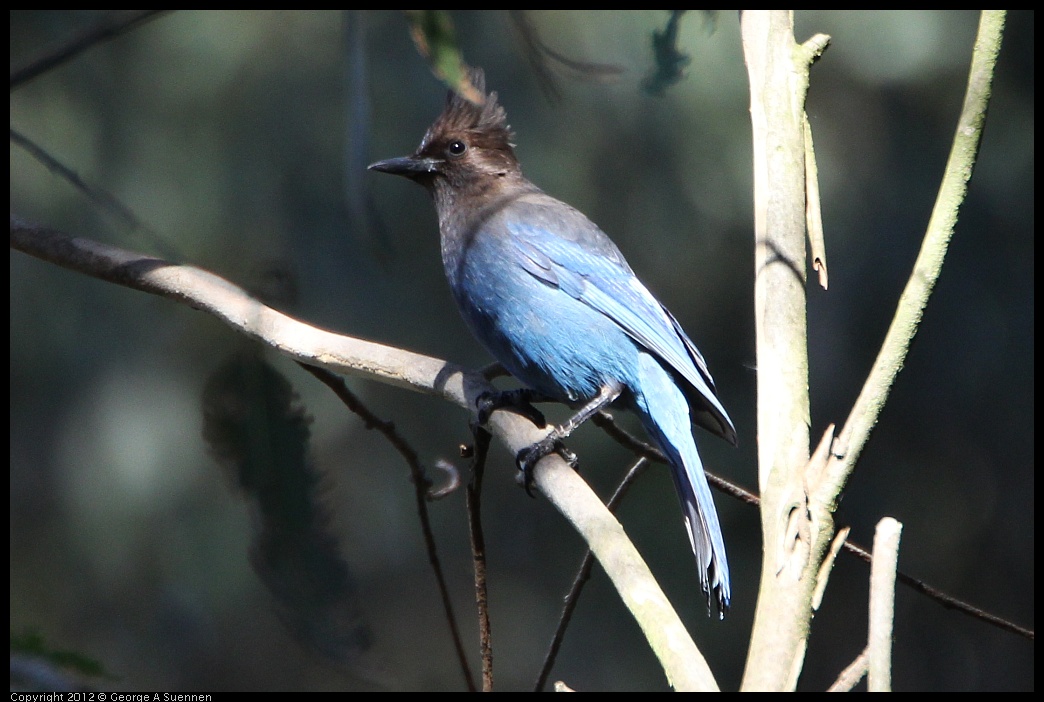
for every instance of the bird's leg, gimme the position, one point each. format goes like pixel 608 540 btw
pixel 530 456
pixel 520 400
pixel 493 370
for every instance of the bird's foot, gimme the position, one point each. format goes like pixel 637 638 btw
pixel 527 458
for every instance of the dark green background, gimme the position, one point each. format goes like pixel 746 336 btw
pixel 236 137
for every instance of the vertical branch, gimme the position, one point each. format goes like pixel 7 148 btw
pixel 799 495
pixel 478 552
pixel 882 605
pixel 778 71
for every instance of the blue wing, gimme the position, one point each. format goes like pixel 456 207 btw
pixel 602 280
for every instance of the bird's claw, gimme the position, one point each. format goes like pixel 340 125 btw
pixel 527 458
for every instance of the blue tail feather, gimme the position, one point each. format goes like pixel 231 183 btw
pixel 665 414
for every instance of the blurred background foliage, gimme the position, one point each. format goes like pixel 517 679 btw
pixel 240 140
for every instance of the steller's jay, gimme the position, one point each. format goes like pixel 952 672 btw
pixel 552 298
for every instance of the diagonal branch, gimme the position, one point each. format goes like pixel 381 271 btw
pixel 684 665
pixel 112 26
pixel 890 359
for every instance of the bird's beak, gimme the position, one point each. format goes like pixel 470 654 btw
pixel 407 166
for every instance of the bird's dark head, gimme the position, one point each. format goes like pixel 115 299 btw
pixel 466 146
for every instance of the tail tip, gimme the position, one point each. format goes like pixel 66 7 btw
pixel 718 600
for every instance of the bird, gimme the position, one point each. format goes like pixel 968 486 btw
pixel 552 298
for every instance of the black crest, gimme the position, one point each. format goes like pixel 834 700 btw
pixel 484 124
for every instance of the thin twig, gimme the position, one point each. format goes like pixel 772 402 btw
pixel 851 675
pixel 422 491
pixel 641 448
pixel 948 601
pixel 478 551
pixel 112 26
pixel 106 201
pixel 582 576
pixel 918 290
pixel 544 60
pixel 607 423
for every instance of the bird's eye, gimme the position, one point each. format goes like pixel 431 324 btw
pixel 456 148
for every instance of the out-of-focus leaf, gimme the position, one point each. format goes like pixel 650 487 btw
pixel 255 428
pixel 670 60
pixel 436 40
pixel 32 644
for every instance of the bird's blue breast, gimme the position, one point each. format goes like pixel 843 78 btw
pixel 544 336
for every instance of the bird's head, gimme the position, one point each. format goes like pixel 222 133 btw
pixel 466 146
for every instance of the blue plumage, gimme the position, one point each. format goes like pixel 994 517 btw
pixel 552 298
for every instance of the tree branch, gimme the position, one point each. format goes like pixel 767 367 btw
pixel 682 662
pixel 795 533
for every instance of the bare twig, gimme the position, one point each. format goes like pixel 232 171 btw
pixel 948 601
pixel 478 552
pixel 582 576
pixel 422 491
pixel 851 675
pixel 641 448
pixel 538 53
pixel 106 201
pixel 112 26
